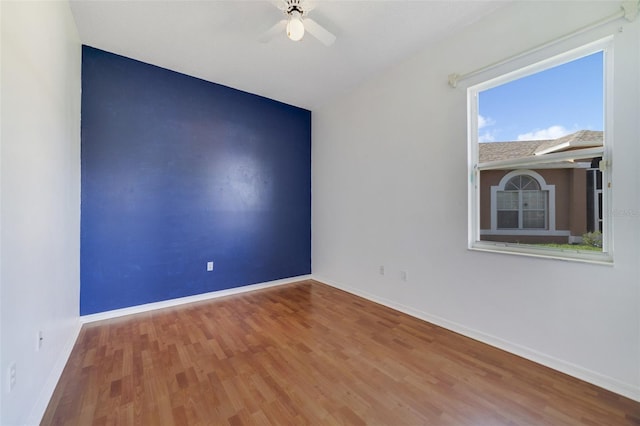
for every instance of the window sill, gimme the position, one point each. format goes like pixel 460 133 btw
pixel 597 258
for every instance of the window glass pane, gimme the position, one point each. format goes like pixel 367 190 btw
pixel 533 219
pixel 600 211
pixel 529 183
pixel 540 139
pixel 507 200
pixel 507 219
pixel 513 184
pixel 534 200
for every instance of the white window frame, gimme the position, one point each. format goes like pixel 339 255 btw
pixel 475 243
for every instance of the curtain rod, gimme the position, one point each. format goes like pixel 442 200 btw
pixel 629 10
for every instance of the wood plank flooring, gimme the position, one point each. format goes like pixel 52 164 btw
pixel 307 353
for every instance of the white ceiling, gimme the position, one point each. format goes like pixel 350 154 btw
pixel 218 40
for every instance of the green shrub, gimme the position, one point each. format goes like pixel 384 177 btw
pixel 593 239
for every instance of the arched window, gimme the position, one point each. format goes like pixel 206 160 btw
pixel 523 201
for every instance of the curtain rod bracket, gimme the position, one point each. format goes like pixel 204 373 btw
pixel 453 80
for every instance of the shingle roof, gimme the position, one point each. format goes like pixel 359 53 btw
pixel 496 151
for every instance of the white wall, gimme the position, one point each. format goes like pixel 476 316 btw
pixel 40 198
pixel 390 188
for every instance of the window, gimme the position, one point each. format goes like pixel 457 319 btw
pixel 521 202
pixel 539 158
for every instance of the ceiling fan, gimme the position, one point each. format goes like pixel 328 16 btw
pixel 296 23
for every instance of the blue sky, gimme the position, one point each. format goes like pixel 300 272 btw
pixel 546 105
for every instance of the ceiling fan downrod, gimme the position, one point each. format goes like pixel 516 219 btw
pixel 294 6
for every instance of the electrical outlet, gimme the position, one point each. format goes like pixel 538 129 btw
pixel 12 376
pixel 403 275
pixel 210 266
pixel 40 340
pixel 381 270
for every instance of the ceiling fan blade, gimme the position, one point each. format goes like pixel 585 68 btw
pixel 319 32
pixel 272 32
pixel 281 5
pixel 308 5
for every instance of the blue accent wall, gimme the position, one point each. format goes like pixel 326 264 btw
pixel 177 171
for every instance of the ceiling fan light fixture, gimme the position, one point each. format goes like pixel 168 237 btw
pixel 295 27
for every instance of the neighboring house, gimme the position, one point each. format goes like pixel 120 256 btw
pixel 537 193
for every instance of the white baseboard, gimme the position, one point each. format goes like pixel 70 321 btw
pixel 40 406
pixel 188 299
pixel 611 384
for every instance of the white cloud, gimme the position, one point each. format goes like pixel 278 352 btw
pixel 553 132
pixel 486 137
pixel 485 121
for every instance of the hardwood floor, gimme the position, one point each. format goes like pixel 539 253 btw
pixel 307 353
